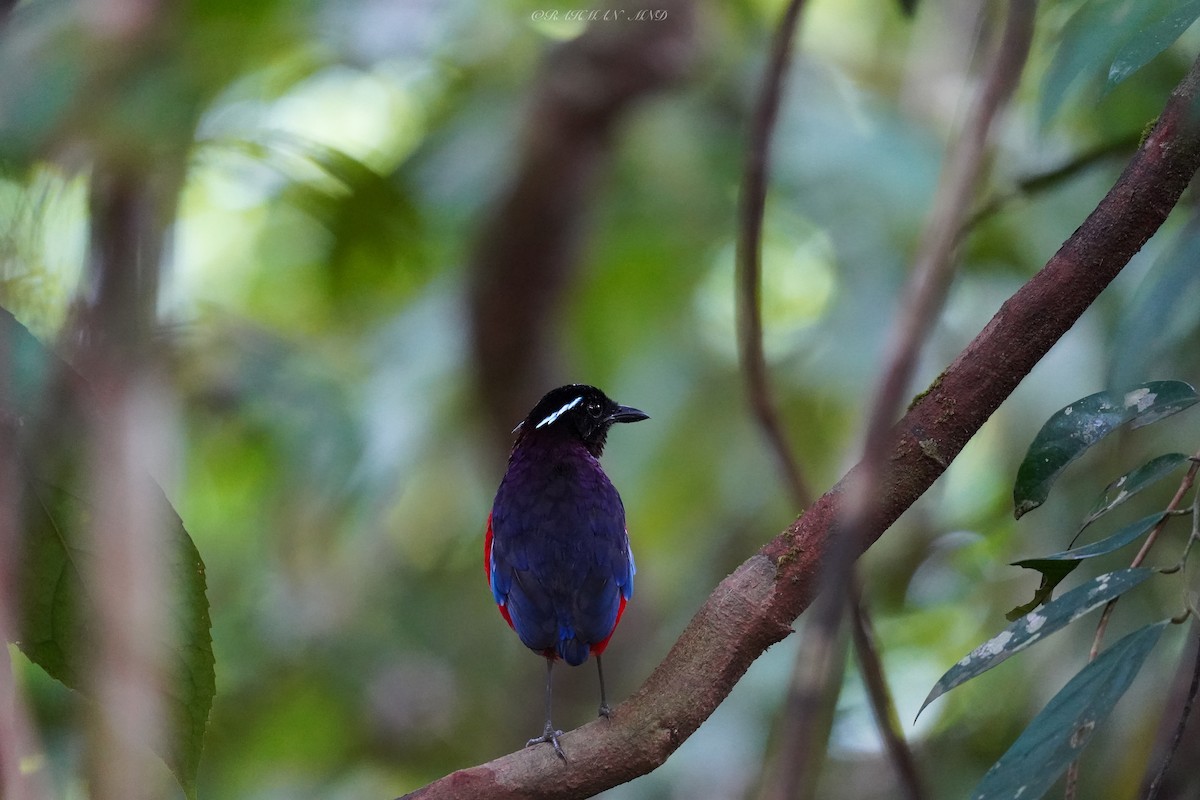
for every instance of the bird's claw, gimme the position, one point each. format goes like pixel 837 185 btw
pixel 550 736
pixel 605 711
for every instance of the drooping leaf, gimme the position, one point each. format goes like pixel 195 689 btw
pixel 1072 430
pixel 1133 482
pixel 1057 566
pixel 1058 734
pixel 1105 41
pixel 1172 18
pixel 1052 575
pixel 1037 625
pixel 57 628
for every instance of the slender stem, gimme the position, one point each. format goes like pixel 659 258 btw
pixel 1184 485
pixel 1193 688
pixel 751 206
pixel 882 704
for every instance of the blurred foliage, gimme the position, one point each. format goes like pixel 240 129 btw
pixel 334 472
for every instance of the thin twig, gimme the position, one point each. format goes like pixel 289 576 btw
pixel 882 704
pixel 1193 688
pixel 1041 181
pixel 1185 484
pixel 752 202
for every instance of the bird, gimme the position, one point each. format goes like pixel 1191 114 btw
pixel 556 551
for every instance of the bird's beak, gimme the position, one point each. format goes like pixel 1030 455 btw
pixel 627 414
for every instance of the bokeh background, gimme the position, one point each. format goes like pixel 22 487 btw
pixel 347 173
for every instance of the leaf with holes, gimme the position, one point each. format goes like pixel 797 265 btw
pixel 1072 430
pixel 1037 625
pixel 1059 733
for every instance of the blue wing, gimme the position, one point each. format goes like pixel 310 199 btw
pixel 560 562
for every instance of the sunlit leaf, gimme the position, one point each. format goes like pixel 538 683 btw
pixel 1133 482
pixel 1059 733
pixel 1071 431
pixel 57 624
pixel 1037 625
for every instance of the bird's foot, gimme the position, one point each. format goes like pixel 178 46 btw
pixel 551 736
pixel 605 711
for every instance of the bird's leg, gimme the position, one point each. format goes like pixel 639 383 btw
pixel 605 711
pixel 549 734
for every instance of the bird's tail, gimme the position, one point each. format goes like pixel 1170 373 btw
pixel 573 651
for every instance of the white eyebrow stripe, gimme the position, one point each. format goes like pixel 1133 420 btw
pixel 560 412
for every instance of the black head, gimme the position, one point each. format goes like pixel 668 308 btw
pixel 577 410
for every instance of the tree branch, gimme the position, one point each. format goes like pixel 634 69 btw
pixel 754 607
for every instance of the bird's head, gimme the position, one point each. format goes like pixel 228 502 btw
pixel 576 411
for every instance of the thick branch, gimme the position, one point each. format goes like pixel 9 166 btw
pixel 754 607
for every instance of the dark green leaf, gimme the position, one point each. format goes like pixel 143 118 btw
pixel 1133 482
pixel 1057 566
pixel 1052 575
pixel 1107 40
pixel 1122 537
pixel 1160 314
pixel 57 624
pixel 1037 625
pixel 1075 428
pixel 1059 733
pixel 1173 17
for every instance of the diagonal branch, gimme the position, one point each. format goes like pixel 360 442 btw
pixel 754 607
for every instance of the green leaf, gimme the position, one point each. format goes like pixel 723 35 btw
pixel 1057 566
pixel 1053 573
pixel 57 624
pixel 1059 733
pixel 1160 315
pixel 1071 431
pixel 1122 537
pixel 1035 626
pixel 1109 40
pixel 1150 38
pixel 1133 482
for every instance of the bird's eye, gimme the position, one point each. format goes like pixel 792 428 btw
pixel 594 408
